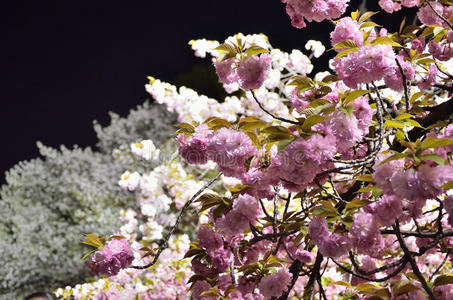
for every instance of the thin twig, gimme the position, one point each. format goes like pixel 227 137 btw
pixel 408 255
pixel 271 114
pixel 164 243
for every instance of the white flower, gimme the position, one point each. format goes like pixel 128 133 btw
pixel 148 209
pixel 129 180
pixel 300 62
pixel 203 46
pixel 145 149
pixel 316 46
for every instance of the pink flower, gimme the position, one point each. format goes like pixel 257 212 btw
pixel 363 113
pixel 440 51
pixel 116 255
pixel 321 148
pixel 300 101
pixel 318 230
pixel 430 79
pixel 230 149
pixel 198 288
pixel 384 172
pixel 368 64
pixel 226 72
pixel 294 166
pixel 253 71
pixel 406 184
pixel 367 264
pixel 337 245
pixel 394 79
pixel 315 10
pixel 195 149
pixel 444 292
pixel 365 233
pixel 275 284
pixel 248 206
pixel 427 16
pixel 432 178
pixel 419 44
pixel 345 129
pixel 346 29
pixel 410 3
pixel 388 209
pixel 330 245
pixel 389 6
pixel 221 259
pixel 208 239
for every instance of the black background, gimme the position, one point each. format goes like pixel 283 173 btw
pixel 67 63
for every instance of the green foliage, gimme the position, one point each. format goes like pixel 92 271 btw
pixel 49 202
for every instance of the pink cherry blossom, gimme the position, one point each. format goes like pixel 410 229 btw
pixel 253 71
pixel 274 285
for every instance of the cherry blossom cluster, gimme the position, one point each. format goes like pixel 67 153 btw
pixel 338 186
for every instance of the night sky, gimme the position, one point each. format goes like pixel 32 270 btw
pixel 67 63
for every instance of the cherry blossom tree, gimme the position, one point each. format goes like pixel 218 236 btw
pixel 335 186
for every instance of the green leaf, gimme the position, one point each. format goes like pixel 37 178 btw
pixel 366 16
pixel 184 125
pixel 384 40
pixel 431 142
pixel 343 283
pixel 187 131
pixel 330 78
pixel 394 124
pixel 212 292
pixel 354 95
pixel 250 126
pixel 366 178
pixel 347 51
pixel 393 157
pixel 247 120
pixel 443 280
pixel 400 135
pixel 356 203
pixel 403 287
pixel 283 144
pixel 312 120
pixel 302 82
pixel 346 44
pixel 216 123
pixel 410 122
pixel 415 96
pixel 369 24
pixel 448 185
pixel 88 254
pixel 226 48
pixel 403 116
pixel 255 50
pixel 433 157
pixel 94 240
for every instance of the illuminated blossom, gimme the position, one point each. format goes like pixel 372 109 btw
pixel 275 284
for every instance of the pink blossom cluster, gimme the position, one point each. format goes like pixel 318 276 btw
pixel 369 63
pixel 329 244
pixel 391 6
pixel 250 72
pixel 244 211
pixel 274 284
pixel 227 147
pixel 442 51
pixel 115 255
pixel 317 10
pixel 412 186
pixel 346 29
pixel 428 17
